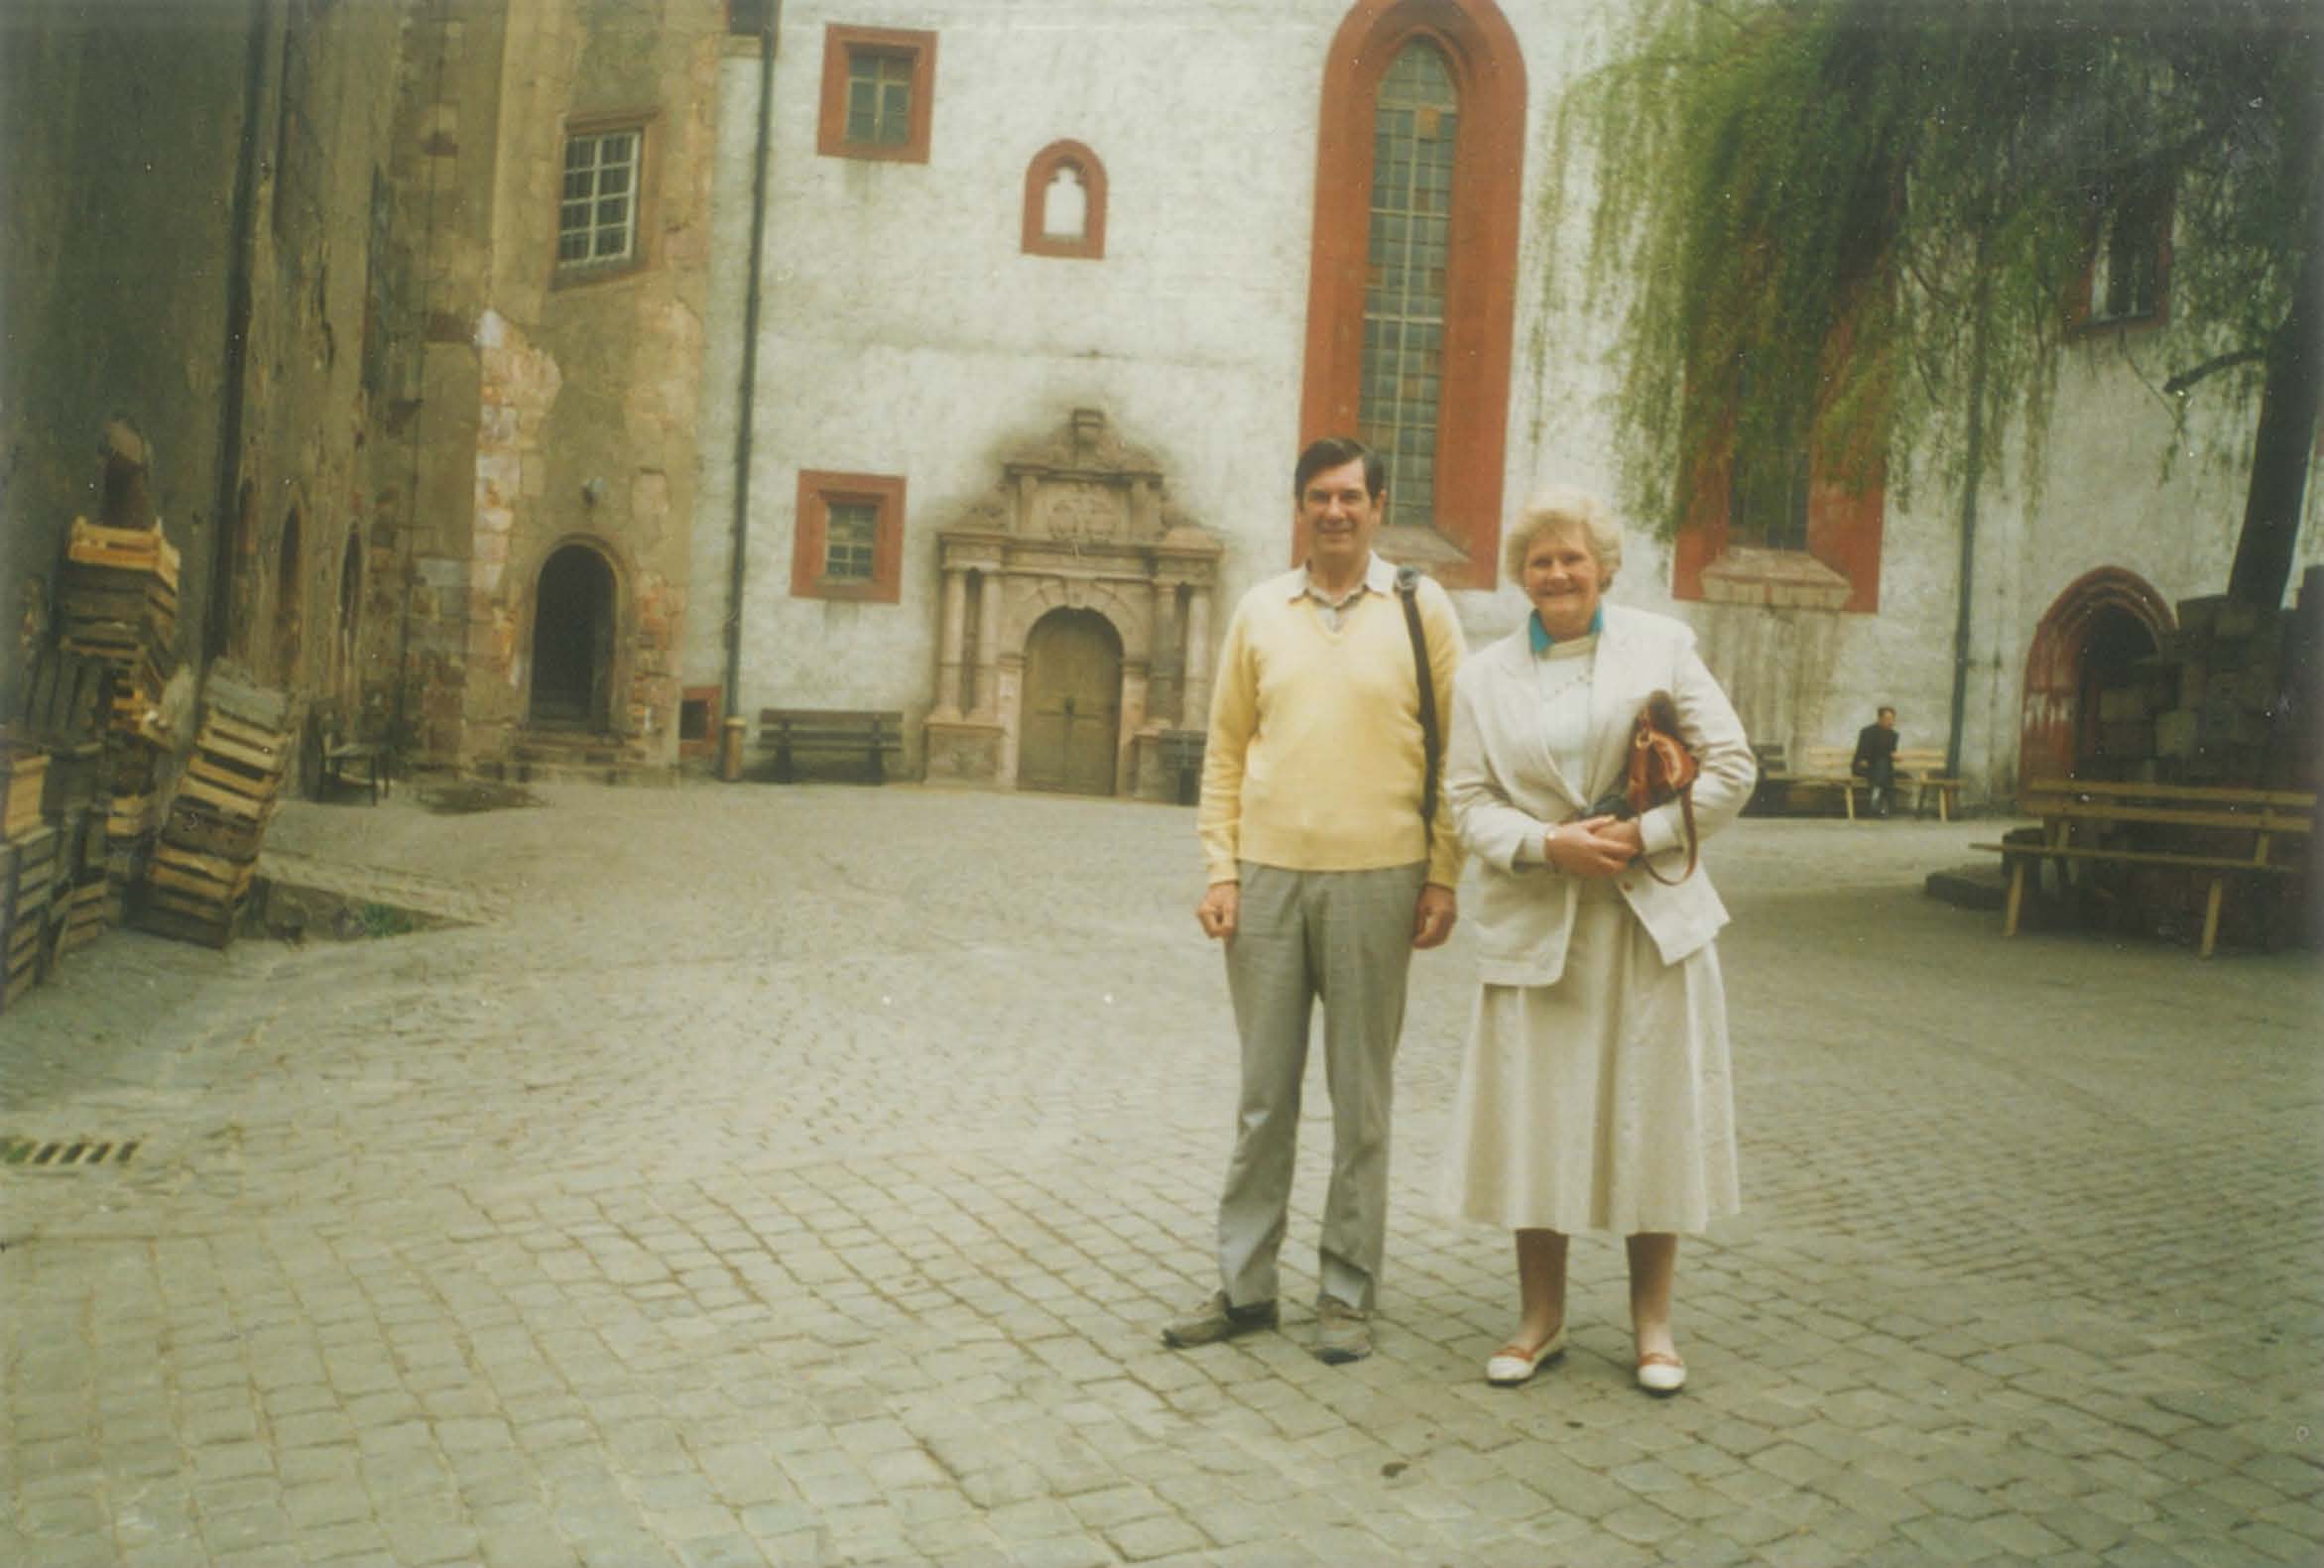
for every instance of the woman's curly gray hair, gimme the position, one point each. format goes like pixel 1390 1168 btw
pixel 1564 512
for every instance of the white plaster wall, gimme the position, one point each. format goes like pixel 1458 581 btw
pixel 904 333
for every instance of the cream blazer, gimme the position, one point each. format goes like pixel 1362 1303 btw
pixel 1505 789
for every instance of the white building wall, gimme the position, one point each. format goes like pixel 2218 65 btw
pixel 904 332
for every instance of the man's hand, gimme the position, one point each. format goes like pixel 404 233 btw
pixel 1220 906
pixel 1432 917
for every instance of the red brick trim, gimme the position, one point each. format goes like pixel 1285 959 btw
pixel 1844 528
pixel 840 42
pixel 1091 244
pixel 818 490
pixel 1488 70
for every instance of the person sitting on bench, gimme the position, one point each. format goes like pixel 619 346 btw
pixel 1876 760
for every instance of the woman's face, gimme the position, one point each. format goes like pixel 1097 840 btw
pixel 1562 579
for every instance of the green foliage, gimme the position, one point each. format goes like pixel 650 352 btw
pixel 1883 209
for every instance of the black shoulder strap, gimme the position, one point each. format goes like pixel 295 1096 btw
pixel 1408 588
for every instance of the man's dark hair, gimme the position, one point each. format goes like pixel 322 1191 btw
pixel 1331 452
pixel 1885 711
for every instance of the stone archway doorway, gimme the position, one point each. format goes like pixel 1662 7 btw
pixel 573 641
pixel 1072 705
pixel 2085 647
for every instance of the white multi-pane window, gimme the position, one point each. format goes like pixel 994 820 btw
pixel 879 98
pixel 597 215
pixel 851 533
pixel 1403 294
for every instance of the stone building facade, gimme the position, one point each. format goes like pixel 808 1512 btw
pixel 404 302
pixel 1160 211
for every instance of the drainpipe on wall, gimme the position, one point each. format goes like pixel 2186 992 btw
pixel 226 509
pixel 1973 476
pixel 731 738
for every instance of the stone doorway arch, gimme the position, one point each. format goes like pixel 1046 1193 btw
pixel 1072 704
pixel 2084 647
pixel 572 642
pixel 1080 520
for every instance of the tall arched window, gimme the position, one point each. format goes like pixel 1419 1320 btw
pixel 1412 280
pixel 289 604
pixel 1414 122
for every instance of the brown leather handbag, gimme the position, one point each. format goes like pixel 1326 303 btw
pixel 1662 768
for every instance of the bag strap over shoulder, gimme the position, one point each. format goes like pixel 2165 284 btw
pixel 1408 588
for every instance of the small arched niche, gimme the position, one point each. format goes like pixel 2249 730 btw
pixel 1065 202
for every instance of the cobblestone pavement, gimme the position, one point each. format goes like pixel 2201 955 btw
pixel 800 1175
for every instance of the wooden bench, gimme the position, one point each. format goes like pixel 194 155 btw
pixel 1770 788
pixel 1181 754
pixel 339 757
pixel 791 733
pixel 2221 832
pixel 1918 768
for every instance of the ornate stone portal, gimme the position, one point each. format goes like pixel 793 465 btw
pixel 1078 523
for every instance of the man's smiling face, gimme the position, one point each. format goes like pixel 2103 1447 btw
pixel 1341 518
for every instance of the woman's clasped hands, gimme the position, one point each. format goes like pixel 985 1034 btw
pixel 1593 846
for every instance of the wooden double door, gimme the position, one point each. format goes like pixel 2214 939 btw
pixel 1071 716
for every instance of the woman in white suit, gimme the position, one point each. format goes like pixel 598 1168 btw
pixel 1595 1095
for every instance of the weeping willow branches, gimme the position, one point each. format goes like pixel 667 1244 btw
pixel 1814 208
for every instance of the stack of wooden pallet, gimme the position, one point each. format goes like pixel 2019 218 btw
pixel 24 773
pixel 66 711
pixel 117 601
pixel 83 902
pixel 30 860
pixel 202 867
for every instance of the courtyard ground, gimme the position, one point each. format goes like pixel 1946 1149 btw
pixel 799 1176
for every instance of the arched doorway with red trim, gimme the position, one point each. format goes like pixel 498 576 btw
pixel 2085 646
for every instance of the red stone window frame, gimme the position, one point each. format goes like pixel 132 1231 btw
pixel 842 44
pixel 1480 290
pixel 1090 243
pixel 645 200
pixel 818 490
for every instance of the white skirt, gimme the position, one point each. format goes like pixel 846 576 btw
pixel 1604 1102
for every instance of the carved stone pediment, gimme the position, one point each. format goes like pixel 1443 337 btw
pixel 1079 527
pixel 1084 487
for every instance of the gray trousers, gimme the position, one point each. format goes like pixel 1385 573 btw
pixel 1344 937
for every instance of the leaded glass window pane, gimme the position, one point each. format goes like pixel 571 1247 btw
pixel 850 530
pixel 1767 500
pixel 879 98
pixel 596 217
pixel 1414 126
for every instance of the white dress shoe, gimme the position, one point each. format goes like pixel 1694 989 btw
pixel 1661 1373
pixel 1512 1364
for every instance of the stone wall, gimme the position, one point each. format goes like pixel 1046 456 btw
pixel 195 242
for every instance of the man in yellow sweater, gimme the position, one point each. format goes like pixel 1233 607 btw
pixel 1324 877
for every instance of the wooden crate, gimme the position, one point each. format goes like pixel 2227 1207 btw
pixel 196 826
pixel 24 777
pixel 31 881
pixel 227 786
pixel 186 918
pixel 212 879
pixel 143 549
pixel 85 916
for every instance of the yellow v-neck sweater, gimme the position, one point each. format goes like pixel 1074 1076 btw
pixel 1315 756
